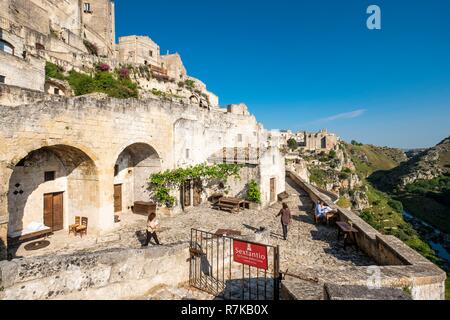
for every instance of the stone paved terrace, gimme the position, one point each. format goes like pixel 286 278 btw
pixel 311 250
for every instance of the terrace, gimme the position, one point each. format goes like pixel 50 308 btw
pixel 311 251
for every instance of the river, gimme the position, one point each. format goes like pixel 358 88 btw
pixel 432 238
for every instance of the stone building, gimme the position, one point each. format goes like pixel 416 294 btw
pixel 92 155
pixel 35 31
pixel 139 50
pixel 320 141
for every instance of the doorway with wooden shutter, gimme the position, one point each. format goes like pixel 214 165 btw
pixel 198 187
pixel 118 198
pixel 273 182
pixel 54 211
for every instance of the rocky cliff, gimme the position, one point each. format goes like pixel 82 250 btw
pixel 426 165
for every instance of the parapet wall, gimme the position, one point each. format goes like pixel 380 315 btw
pixel 399 265
pixel 105 275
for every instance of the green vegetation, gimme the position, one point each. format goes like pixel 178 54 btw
pixel 253 192
pixel 385 216
pixel 190 84
pixel 344 203
pixel 429 200
pixel 54 71
pixel 292 144
pixel 162 183
pixel 369 159
pixel 116 85
pixel 318 176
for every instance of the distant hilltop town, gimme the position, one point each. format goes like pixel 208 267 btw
pixel 37 35
pixel 307 141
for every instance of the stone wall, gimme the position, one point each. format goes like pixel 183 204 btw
pixel 28 73
pixel 89 133
pixel 398 265
pixel 106 275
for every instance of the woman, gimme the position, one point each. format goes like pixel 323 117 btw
pixel 286 216
pixel 152 226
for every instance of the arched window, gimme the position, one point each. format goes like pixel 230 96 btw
pixel 6 47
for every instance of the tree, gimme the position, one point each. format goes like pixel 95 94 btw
pixel 292 144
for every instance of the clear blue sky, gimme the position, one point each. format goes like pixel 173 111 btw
pixel 304 65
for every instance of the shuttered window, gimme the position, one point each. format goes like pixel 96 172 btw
pixel 6 47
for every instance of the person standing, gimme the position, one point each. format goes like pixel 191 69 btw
pixel 152 226
pixel 286 217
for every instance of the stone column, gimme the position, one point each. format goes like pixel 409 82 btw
pixel 105 221
pixel 4 216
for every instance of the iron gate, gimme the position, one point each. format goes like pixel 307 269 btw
pixel 213 270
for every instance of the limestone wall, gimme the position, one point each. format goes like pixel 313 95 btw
pixel 29 72
pixel 399 265
pixel 89 133
pixel 106 275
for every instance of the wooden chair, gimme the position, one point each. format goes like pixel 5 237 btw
pixel 82 229
pixel 73 227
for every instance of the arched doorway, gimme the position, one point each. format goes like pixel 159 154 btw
pixel 132 170
pixel 51 186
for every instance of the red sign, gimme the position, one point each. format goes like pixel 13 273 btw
pixel 250 254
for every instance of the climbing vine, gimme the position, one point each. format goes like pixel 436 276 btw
pixel 163 182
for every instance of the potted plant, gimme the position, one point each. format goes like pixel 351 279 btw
pixel 254 195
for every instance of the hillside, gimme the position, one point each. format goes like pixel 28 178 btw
pixel 427 165
pixel 369 159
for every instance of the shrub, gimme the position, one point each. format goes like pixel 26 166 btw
pixel 396 205
pixel 53 71
pixel 81 83
pixel 253 192
pixel 190 84
pixel 292 144
pixel 332 154
pixel 124 73
pixel 91 47
pixel 103 67
pixel 344 176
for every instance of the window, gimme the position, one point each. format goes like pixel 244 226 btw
pixel 2 79
pixel 239 137
pixel 150 53
pixel 187 153
pixel 274 160
pixel 87 7
pixel 49 176
pixel 56 91
pixel 6 47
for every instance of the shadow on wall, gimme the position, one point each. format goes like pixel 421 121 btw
pixel 3 250
pixel 29 175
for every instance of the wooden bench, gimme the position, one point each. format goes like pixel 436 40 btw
pixel 30 236
pixel 349 233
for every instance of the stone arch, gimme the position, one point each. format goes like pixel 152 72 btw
pixel 48 170
pixel 134 165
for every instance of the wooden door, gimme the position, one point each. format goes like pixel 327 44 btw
pixel 54 211
pixel 197 193
pixel 272 190
pixel 117 198
pixel 48 210
pixel 187 194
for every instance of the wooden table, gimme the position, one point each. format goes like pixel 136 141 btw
pixel 349 233
pixel 227 233
pixel 230 204
pixel 144 208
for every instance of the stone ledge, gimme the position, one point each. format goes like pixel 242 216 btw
pixel 338 292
